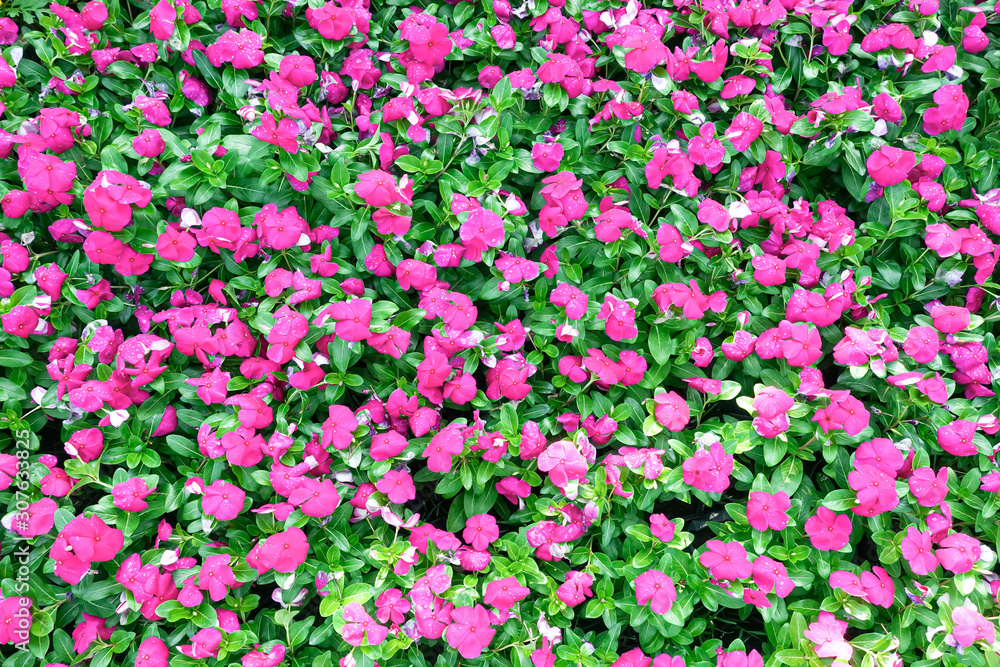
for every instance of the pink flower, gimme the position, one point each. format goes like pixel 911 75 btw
pixel 756 598
pixel 744 130
pixel 39 520
pixel 505 593
pixel 974 39
pixel 353 318
pixel 483 229
pixel 576 588
pixel 827 530
pixel 671 244
pixel 242 49
pixel 701 355
pixel 633 658
pixel 387 445
pixel 952 102
pixel 684 101
pixel 705 386
pixel 971 626
pixel 481 530
pixel 709 470
pixel 741 347
pixel 990 482
pixel 619 317
pixel 176 245
pixel 416 274
pixel 149 143
pixel 446 443
pixel 543 655
pixel 315 497
pixel 92 539
pixel 950 319
pixel 828 635
pixel 706 149
pixel 257 658
pixel 726 560
pixel 768 511
pixel 86 445
pixel 844 412
pixel 204 644
pixel 572 299
pixel 504 36
pixel 886 108
pixel 15 620
pixel 161 20
pixel 21 321
pixel 737 85
pixel 876 491
pixel 662 528
pixel 472 560
pixel 671 411
pixel 516 269
pixel 92 628
pixel 878 586
pixel 837 37
pixel 283 551
pixel 281 230
pixel 922 343
pixel 958 553
pixel 563 462
pixel 546 157
pixel 646 51
pixel 339 427
pixel 398 486
pixel 130 495
pixel 223 501
pixel 956 438
pixel 359 625
pixel 928 487
pixel 889 165
pixel 458 312
pixel 153 652
pixel 770 575
pixel 513 489
pixel 393 342
pixel 943 240
pixel 429 44
pixel 768 270
pixel 470 632
pixel 300 71
pixel 656 588
pixel 918 551
pixel 377 188
pixel 216 576
pixel 391 606
pixel 739 659
pixel 771 402
pixel 710 70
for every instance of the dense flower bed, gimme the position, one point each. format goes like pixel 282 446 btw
pixel 568 333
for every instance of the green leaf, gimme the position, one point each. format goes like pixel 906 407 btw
pixel 409 163
pixel 111 159
pixel 661 345
pixel 500 97
pixel 840 500
pixel 509 423
pixel 153 407
pixel 14 358
pixel 208 72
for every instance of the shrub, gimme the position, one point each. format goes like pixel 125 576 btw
pixel 571 333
